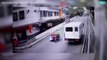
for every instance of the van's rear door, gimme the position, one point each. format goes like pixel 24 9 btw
pixel 68 32
pixel 72 33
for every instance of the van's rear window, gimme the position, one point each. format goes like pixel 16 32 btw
pixel 76 29
pixel 69 29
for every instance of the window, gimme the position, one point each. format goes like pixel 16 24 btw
pixel 76 29
pixel 49 13
pixel 21 15
pixel 34 10
pixel 45 13
pixel 41 13
pixel 9 7
pixel 69 29
pixel 1 11
pixel 55 13
pixel 15 16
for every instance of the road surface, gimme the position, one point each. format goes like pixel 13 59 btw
pixel 62 46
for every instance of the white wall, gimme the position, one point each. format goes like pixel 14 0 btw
pixel 30 18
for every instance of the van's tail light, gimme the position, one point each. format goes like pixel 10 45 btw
pixel 66 39
pixel 77 39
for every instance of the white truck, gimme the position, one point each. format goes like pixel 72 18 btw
pixel 73 31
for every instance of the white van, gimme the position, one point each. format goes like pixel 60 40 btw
pixel 73 31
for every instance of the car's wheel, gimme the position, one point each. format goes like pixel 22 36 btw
pixel 81 39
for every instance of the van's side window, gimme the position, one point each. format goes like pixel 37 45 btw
pixel 76 29
pixel 69 29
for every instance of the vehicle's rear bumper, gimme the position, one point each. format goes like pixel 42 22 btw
pixel 72 40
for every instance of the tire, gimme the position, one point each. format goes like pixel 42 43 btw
pixel 81 39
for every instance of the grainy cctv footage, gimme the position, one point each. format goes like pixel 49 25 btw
pixel 53 30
